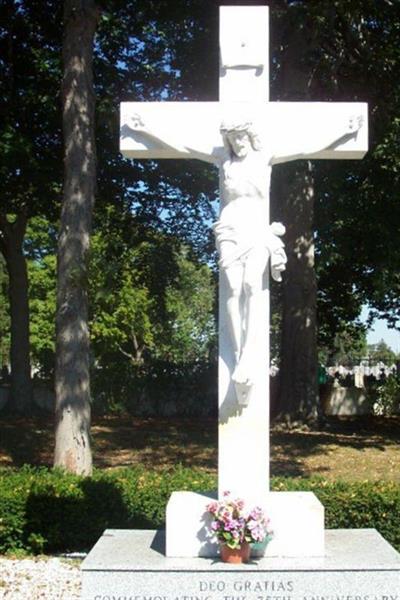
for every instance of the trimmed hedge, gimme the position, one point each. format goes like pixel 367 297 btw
pixel 45 510
pixel 49 511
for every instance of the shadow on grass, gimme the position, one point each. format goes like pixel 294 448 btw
pixel 291 449
pixel 26 440
pixel 158 443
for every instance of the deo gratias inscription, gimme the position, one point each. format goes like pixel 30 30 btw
pixel 237 590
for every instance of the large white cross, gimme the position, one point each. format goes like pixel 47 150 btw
pixel 291 131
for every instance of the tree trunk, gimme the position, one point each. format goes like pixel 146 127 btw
pixel 298 390
pixel 73 451
pixel 293 197
pixel 11 245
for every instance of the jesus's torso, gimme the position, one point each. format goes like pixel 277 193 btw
pixel 245 178
pixel 244 185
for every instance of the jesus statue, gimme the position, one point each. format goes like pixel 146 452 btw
pixel 245 240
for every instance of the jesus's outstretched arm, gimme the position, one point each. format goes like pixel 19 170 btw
pixel 288 146
pixel 170 138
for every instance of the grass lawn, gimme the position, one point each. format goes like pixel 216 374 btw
pixel 346 448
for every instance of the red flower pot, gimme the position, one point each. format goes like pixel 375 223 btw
pixel 237 555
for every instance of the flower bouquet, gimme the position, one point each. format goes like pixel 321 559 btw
pixel 236 528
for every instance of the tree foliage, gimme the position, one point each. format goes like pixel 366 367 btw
pixel 347 51
pixel 136 55
pixel 40 250
pixel 381 352
pixel 151 299
pixel 357 209
pixel 30 140
pixel 348 348
pixel 30 168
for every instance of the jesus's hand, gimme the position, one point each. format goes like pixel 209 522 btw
pixel 355 123
pixel 136 122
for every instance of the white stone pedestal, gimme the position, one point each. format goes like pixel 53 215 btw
pixel 297 519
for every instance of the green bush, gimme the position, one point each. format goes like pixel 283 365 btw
pixel 51 511
pixel 387 396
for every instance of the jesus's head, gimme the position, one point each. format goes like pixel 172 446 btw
pixel 240 136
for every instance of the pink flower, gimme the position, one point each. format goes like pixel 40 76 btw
pixel 212 507
pixel 258 533
pixel 226 515
pixel 256 513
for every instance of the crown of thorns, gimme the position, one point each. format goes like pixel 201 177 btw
pixel 236 125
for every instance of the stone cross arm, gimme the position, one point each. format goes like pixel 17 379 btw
pixel 288 130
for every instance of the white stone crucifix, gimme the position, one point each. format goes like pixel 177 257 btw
pixel 244 135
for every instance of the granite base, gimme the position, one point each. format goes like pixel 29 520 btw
pixel 131 565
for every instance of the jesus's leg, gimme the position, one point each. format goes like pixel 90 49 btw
pixel 234 274
pixel 253 280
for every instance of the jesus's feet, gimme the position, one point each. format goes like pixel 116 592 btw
pixel 241 374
